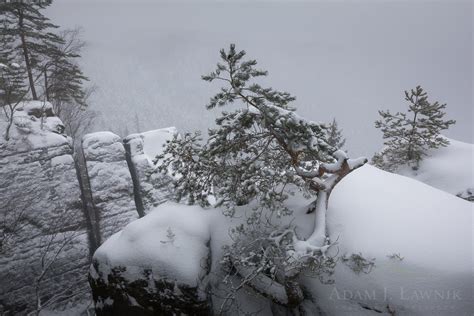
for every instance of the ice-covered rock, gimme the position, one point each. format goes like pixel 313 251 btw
pixel 110 181
pixel 152 188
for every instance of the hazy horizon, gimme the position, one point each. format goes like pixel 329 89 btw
pixel 341 59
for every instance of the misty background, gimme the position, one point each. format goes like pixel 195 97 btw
pixel 344 59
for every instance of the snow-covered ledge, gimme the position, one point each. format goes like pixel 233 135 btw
pixel 420 246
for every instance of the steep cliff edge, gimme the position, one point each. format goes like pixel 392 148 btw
pixel 57 206
pixel 44 249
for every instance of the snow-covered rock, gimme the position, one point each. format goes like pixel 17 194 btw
pixel 157 263
pixel 450 168
pixel 40 207
pixel 34 126
pixel 419 238
pixel 142 148
pixel 110 181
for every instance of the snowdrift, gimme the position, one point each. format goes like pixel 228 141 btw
pixel 429 231
pixel 372 212
pixel 450 168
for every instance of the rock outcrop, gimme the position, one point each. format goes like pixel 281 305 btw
pixel 156 265
pixel 57 207
pixel 42 229
pixel 152 188
pixel 110 181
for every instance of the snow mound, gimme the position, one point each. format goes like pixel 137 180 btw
pixel 419 237
pixel 99 138
pixel 34 126
pixel 398 214
pixel 448 168
pixel 32 106
pixel 171 241
pixel 379 215
pixel 103 144
pixel 154 141
pixel 151 143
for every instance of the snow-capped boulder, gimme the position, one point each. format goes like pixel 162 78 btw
pixel 152 188
pixel 40 207
pixel 414 240
pixel 420 240
pixel 110 181
pixel 155 265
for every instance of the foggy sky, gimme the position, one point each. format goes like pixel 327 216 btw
pixel 344 59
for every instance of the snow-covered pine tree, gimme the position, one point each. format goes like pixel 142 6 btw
pixel 31 30
pixel 12 82
pixel 50 61
pixel 407 137
pixel 335 137
pixel 63 78
pixel 260 152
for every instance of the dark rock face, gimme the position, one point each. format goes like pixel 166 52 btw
pixel 115 294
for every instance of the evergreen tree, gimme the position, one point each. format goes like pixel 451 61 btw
pixel 257 155
pixel 335 138
pixel 31 30
pixel 408 136
pixel 50 61
pixel 63 78
pixel 12 78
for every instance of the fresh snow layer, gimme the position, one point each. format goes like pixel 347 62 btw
pixel 29 132
pixel 371 212
pixel 99 138
pixel 144 147
pixel 448 168
pixel 154 141
pixel 34 105
pixel 171 240
pixel 62 160
pixel 382 213
pixel 378 214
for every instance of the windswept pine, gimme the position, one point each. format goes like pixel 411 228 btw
pixel 258 155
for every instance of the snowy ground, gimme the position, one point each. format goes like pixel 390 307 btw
pixel 450 168
pixel 380 214
pixel 371 212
